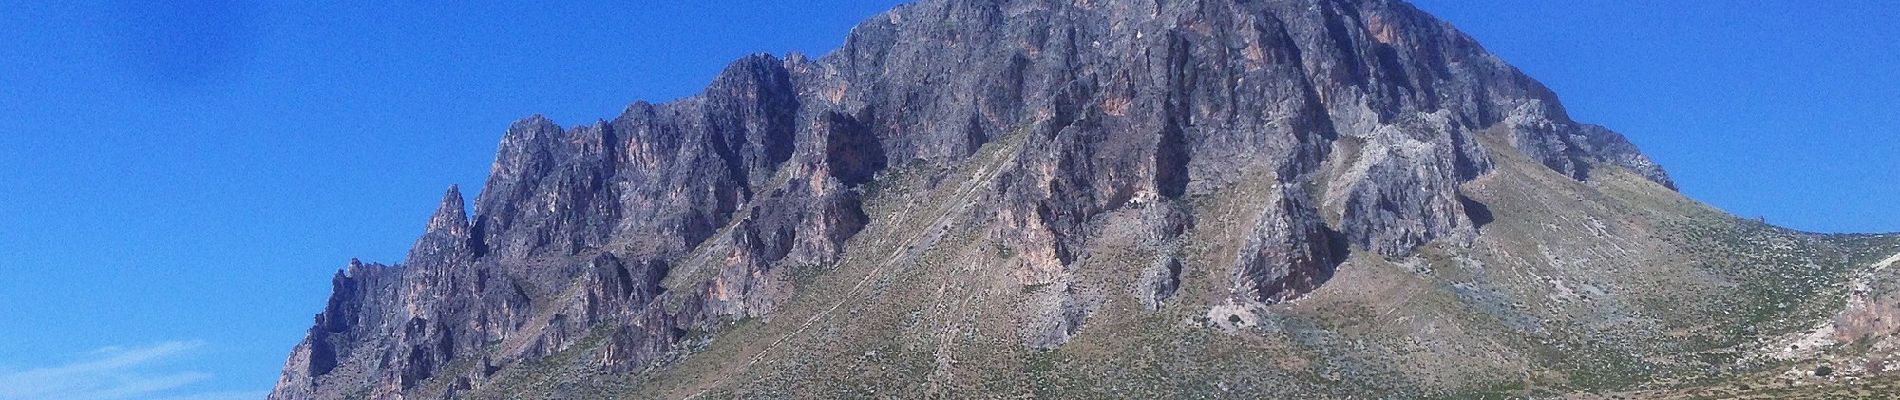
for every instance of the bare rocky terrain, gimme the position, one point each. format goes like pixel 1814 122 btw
pixel 1103 199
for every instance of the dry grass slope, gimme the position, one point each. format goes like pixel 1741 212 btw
pixel 1611 288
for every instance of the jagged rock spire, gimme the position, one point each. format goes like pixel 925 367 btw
pixel 450 215
pixel 447 233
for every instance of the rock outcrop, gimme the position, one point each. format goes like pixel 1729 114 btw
pixel 1353 122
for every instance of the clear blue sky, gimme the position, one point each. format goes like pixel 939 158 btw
pixel 179 180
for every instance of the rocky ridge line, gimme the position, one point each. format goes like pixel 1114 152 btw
pixel 1362 118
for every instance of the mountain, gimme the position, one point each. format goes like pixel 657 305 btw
pixel 1098 199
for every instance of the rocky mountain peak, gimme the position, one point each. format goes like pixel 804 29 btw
pixel 448 233
pixel 450 217
pixel 1011 169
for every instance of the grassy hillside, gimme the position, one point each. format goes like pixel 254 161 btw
pixel 1611 287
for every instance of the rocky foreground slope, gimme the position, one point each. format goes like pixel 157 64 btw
pixel 1104 198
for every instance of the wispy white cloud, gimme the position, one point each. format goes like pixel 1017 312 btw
pixel 114 373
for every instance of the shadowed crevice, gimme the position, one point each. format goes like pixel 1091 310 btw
pixel 1479 213
pixel 854 153
pixel 1171 163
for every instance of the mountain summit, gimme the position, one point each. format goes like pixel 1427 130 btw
pixel 1083 199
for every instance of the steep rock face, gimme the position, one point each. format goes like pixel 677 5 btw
pixel 358 299
pixel 1355 122
pixel 575 229
pixel 1178 98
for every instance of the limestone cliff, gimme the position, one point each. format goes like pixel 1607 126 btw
pixel 1049 133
